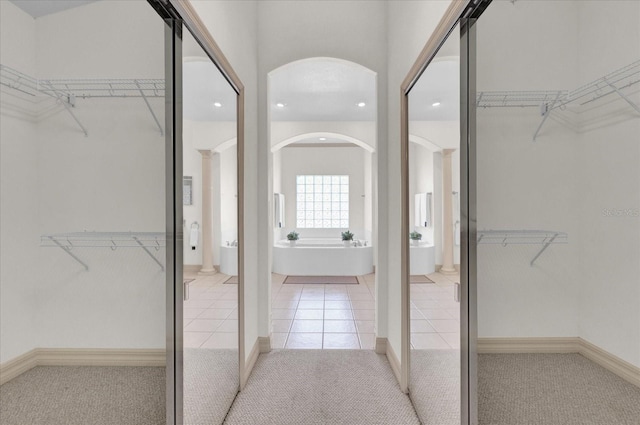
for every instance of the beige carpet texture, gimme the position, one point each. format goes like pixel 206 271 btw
pixel 70 395
pixel 305 387
pixel 552 389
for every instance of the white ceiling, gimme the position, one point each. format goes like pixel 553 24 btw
pixel 38 8
pixel 322 89
pixel 204 85
pixel 440 82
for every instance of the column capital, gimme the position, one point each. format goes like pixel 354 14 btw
pixel 448 152
pixel 206 153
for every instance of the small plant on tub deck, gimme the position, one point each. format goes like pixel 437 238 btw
pixel 347 236
pixel 415 236
pixel 293 236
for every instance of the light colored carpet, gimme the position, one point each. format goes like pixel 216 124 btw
pixel 552 389
pixel 419 278
pixel 210 384
pixel 344 280
pixel 355 387
pixel 435 386
pixel 70 395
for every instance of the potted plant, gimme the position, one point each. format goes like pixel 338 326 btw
pixel 415 238
pixel 293 236
pixel 347 238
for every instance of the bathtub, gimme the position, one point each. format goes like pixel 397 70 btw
pixel 321 257
pixel 229 260
pixel 422 259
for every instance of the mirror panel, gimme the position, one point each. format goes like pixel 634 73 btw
pixel 211 374
pixel 434 217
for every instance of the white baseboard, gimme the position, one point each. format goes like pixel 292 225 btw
pixel 394 362
pixel 381 346
pixel 81 357
pixel 612 363
pixel 528 345
pixel 250 363
pixel 265 344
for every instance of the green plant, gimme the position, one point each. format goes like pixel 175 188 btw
pixel 293 236
pixel 347 236
pixel 415 236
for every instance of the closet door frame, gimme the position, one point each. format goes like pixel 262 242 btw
pixel 465 13
pixel 179 15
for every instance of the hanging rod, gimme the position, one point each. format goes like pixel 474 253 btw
pixel 148 241
pixel 545 238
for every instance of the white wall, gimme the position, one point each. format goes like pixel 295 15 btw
pixel 609 294
pixel 58 180
pixel 112 180
pixel 325 160
pixel 293 30
pixel 565 181
pixel 364 131
pixel 410 24
pixel 18 184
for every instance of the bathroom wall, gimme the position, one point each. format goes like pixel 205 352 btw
pixel 325 160
pixel 293 30
pixel 19 244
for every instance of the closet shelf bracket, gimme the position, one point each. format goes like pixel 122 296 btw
pixel 66 104
pixel 546 109
pixel 622 95
pixel 67 249
pixel 523 237
pixel 148 241
pixel 146 101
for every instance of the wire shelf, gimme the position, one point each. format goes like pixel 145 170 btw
pixel 521 99
pixel 68 242
pixel 544 238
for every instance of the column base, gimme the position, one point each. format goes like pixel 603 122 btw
pixel 207 272
pixel 448 271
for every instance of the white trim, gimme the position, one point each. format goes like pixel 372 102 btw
pixel 612 363
pixel 381 346
pixel 314 135
pixel 265 344
pixel 251 361
pixel 394 362
pixel 81 357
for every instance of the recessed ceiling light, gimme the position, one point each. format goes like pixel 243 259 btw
pixel 280 105
pixel 362 104
pixel 217 104
pixel 434 104
pixel 323 138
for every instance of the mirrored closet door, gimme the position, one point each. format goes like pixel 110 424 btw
pixel 434 251
pixel 210 249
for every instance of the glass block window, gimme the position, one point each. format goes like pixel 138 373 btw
pixel 322 202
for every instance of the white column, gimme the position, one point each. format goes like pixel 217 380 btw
pixel 447 211
pixel 207 215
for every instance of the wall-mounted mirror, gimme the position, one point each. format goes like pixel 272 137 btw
pixel 558 207
pixel 210 252
pixel 82 258
pixel 434 252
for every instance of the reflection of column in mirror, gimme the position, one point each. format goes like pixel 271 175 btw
pixel 447 225
pixel 207 215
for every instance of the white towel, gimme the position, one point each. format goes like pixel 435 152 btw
pixel 193 237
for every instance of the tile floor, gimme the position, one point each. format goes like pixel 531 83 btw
pixel 330 316
pixel 211 313
pixel 327 316
pixel 435 315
